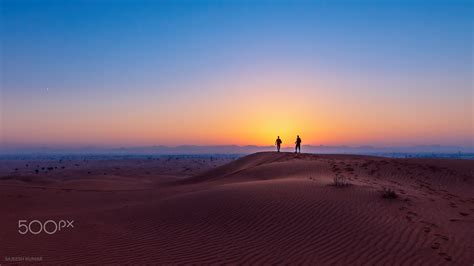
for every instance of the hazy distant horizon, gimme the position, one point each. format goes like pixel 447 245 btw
pixel 236 149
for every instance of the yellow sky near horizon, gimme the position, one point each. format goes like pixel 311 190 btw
pixel 250 111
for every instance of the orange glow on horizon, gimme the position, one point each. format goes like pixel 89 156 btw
pixel 250 112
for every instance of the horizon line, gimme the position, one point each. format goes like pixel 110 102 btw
pixel 237 149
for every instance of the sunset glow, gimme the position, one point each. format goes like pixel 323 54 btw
pixel 221 74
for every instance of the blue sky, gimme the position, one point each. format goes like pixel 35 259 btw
pixel 89 64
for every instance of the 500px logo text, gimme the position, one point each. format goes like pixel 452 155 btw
pixel 49 227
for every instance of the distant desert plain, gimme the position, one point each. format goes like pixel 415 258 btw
pixel 263 208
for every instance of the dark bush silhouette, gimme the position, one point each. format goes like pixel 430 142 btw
pixel 389 193
pixel 340 181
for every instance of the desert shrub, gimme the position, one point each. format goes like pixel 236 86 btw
pixel 340 181
pixel 389 193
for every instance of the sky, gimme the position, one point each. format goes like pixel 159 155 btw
pixel 137 73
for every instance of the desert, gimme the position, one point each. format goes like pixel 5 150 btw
pixel 263 208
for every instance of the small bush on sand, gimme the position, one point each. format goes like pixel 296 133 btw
pixel 341 181
pixel 389 193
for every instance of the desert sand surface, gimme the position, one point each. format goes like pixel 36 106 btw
pixel 264 208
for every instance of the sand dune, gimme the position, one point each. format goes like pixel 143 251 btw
pixel 264 208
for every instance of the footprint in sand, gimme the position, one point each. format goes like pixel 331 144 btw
pixel 440 236
pixel 446 256
pixel 410 215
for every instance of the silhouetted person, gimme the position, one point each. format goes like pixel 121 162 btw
pixel 278 143
pixel 298 144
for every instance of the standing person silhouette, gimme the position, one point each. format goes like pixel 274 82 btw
pixel 278 143
pixel 298 144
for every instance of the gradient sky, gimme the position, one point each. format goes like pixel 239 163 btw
pixel 126 73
